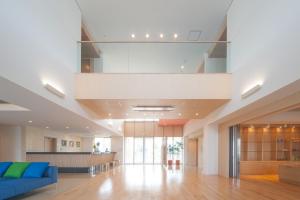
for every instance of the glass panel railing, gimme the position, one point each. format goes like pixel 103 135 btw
pixel 153 57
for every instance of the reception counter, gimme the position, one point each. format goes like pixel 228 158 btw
pixel 72 162
pixel 289 173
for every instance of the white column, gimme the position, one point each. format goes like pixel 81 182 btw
pixel 210 150
pixel 12 143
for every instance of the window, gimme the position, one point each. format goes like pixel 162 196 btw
pixel 138 150
pixel 128 143
pixel 158 145
pixel 150 150
pixel 103 144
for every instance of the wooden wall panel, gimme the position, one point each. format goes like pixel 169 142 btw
pixel 159 131
pixel 128 129
pixel 168 131
pixel 139 129
pixel 178 131
pixel 149 129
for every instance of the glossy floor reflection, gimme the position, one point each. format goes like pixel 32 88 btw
pixel 143 182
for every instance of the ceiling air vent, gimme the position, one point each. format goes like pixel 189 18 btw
pixel 153 108
pixel 194 35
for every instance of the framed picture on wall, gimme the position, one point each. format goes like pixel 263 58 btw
pixel 77 144
pixel 63 143
pixel 71 143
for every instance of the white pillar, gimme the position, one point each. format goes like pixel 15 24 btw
pixel 12 143
pixel 210 150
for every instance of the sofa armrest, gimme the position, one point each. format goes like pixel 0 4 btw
pixel 52 172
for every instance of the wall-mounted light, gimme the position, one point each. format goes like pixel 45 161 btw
pixel 54 90
pixel 251 90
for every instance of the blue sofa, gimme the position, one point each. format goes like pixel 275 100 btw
pixel 13 187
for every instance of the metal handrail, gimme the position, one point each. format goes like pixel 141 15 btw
pixel 156 41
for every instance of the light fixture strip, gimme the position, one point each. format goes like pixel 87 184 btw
pixel 153 108
pixel 54 90
pixel 251 91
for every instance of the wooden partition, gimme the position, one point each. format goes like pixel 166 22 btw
pixel 265 147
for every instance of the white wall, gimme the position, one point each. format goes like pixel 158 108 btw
pixel 264 48
pixel 12 143
pixel 35 140
pixel 39 42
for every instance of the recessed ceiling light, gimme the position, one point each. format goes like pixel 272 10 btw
pixel 67 127
pixel 132 35
pixel 161 35
pixel 47 127
pixel 175 35
pixel 29 121
pixel 147 35
pixel 179 114
pixel 196 114
pixel 182 67
pixel 87 127
pixel 109 114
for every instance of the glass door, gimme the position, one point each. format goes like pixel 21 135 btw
pixel 148 150
pixel 138 150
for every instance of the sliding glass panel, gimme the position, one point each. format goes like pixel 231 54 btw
pixel 178 144
pixel 128 150
pixel 170 149
pixel 158 141
pixel 148 151
pixel 138 150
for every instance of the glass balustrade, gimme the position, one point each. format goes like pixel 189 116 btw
pixel 153 57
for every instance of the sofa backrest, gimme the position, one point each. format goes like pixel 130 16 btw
pixel 52 172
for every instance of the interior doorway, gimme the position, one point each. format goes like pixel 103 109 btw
pixel 50 144
pixel 192 152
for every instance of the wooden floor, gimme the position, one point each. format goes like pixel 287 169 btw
pixel 148 182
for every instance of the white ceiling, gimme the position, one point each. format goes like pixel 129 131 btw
pixel 117 19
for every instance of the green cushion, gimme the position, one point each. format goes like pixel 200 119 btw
pixel 16 170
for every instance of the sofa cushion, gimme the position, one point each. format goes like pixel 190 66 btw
pixel 35 170
pixel 16 170
pixel 3 167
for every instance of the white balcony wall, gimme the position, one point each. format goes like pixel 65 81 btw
pixel 153 86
